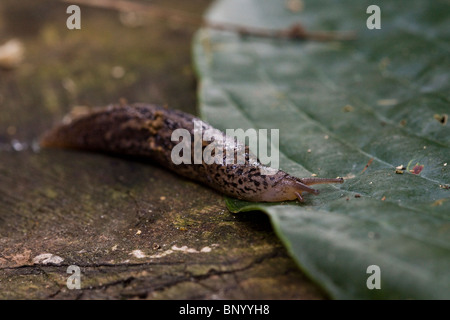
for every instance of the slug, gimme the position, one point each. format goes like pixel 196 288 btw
pixel 146 131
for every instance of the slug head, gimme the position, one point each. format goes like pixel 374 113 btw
pixel 291 188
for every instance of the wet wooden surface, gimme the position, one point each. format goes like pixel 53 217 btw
pixel 134 229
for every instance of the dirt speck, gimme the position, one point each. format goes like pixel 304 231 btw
pixel 441 118
pixel 348 108
pixel 367 165
pixel 438 202
pixel 387 102
pixel 295 5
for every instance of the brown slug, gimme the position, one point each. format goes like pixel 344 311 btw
pixel 146 131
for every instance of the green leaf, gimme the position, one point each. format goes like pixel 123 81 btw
pixel 378 97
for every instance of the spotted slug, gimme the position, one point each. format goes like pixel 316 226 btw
pixel 145 131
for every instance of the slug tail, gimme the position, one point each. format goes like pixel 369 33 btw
pixel 57 138
pixel 49 140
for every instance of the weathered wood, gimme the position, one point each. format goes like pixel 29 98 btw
pixel 134 229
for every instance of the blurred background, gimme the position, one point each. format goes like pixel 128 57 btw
pixel 121 52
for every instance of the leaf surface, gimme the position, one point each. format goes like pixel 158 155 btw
pixel 356 109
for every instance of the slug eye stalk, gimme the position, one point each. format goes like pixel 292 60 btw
pixel 302 184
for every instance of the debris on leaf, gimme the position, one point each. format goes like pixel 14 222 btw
pixel 295 5
pixel 438 202
pixel 367 165
pixel 403 122
pixel 387 102
pixel 357 195
pixel 417 169
pixel 444 186
pixel 348 108
pixel 349 176
pixel 442 118
pixel 399 169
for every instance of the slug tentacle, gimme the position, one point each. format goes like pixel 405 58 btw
pixel 311 181
pixel 146 131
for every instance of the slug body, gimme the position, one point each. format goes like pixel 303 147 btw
pixel 146 131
